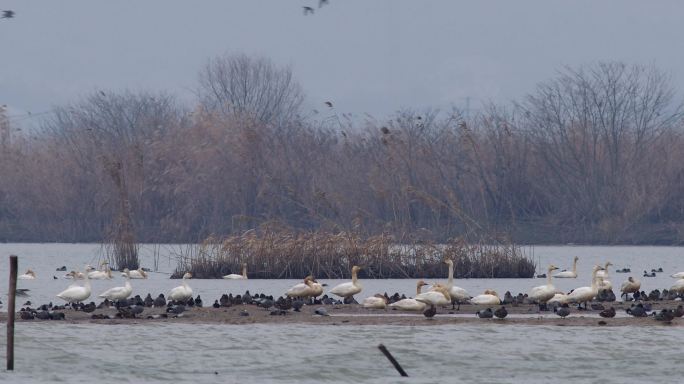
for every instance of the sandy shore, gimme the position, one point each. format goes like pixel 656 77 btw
pixel 357 315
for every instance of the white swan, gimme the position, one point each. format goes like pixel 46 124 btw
pixel 235 276
pixel 678 286
pixel 376 301
pixel 458 294
pixel 76 293
pixel 630 286
pixel 118 293
pixel 560 298
pixel 584 294
pixel 304 289
pixel 134 274
pixel 603 282
pixel 351 288
pixel 678 275
pixel 182 292
pixel 489 297
pixel 316 288
pixel 543 293
pixel 437 296
pixel 568 274
pixel 411 304
pixel 29 275
pixel 76 275
pixel 106 273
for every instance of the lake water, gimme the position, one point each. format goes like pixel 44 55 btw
pixel 490 352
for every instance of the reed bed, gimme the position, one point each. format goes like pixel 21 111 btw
pixel 292 255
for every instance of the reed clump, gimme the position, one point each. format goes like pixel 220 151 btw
pixel 286 254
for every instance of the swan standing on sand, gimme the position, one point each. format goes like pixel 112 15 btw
pixel 568 274
pixel 489 297
pixel 630 286
pixel 182 292
pixel 134 274
pixel 235 276
pixel 678 286
pixel 119 293
pixel 436 296
pixel 106 273
pixel 376 301
pixel 351 288
pixel 584 294
pixel 304 289
pixel 603 282
pixel 543 293
pixel 29 275
pixel 458 294
pixel 76 293
pixel 411 304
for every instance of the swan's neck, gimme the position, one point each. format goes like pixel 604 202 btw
pixel 548 277
pixel 450 281
pixel 419 288
pixel 354 278
pixel 185 283
pixel 244 272
pixel 574 266
pixel 594 286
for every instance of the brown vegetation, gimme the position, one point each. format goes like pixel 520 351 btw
pixel 279 253
pixel 594 155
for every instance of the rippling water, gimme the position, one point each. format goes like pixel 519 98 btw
pixel 289 353
pixel 490 352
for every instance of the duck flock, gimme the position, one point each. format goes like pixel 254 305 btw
pixel 596 296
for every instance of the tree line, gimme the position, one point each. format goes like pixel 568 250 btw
pixel 593 155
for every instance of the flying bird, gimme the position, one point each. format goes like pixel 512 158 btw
pixel 308 10
pixel 329 104
pixel 7 14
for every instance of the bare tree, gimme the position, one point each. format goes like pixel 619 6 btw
pixel 252 87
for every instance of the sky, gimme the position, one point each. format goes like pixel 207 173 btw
pixel 366 56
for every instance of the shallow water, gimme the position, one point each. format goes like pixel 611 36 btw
pixel 291 353
pixel 45 258
pixel 492 352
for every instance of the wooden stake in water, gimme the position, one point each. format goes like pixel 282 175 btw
pixel 11 312
pixel 392 360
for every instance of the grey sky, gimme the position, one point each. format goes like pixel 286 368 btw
pixel 364 55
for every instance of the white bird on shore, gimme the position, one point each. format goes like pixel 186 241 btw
pixel 411 304
pixel 76 293
pixel 134 274
pixel 678 286
pixel 235 276
pixel 603 282
pixel 437 296
pixel 585 294
pixel 182 292
pixel 568 274
pixel 351 288
pixel 76 275
pixel 558 297
pixel 543 293
pixel 304 289
pixel 630 286
pixel 106 273
pixel 489 297
pixel 458 294
pixel 678 275
pixel 29 275
pixel 118 293
pixel 376 301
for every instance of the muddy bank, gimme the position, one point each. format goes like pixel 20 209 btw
pixel 357 315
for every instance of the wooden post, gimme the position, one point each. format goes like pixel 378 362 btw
pixel 11 312
pixel 392 360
